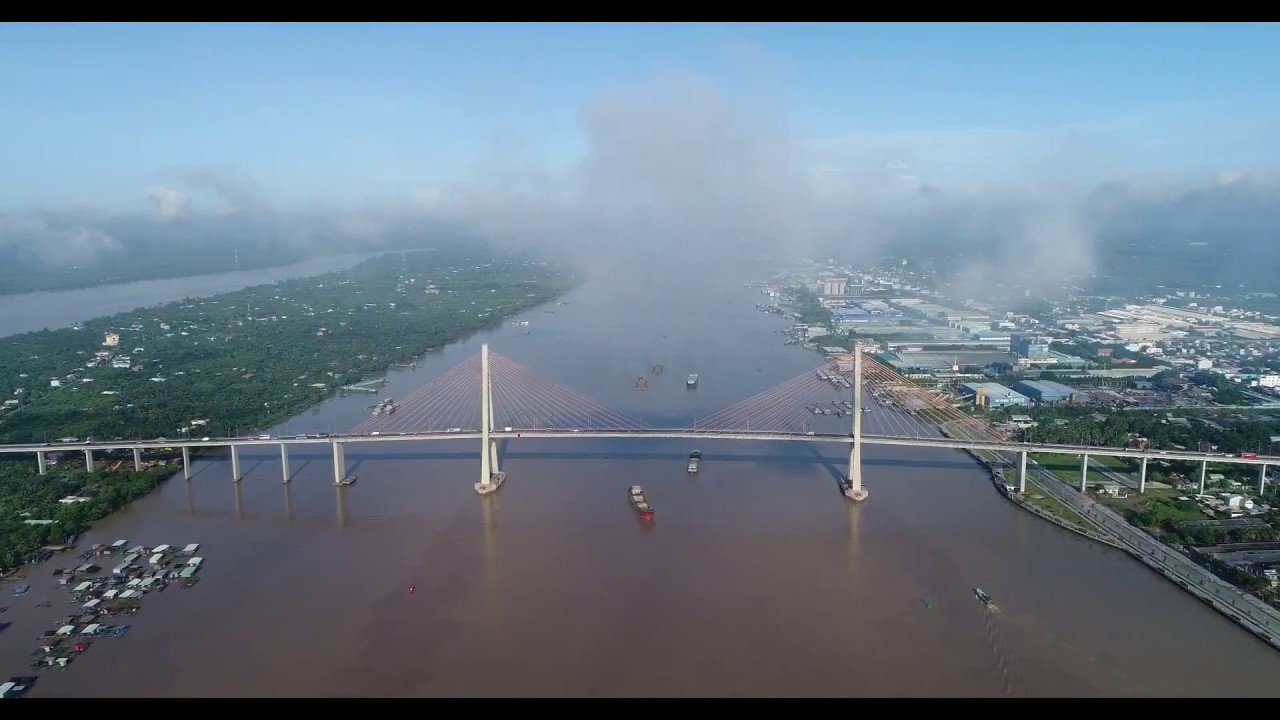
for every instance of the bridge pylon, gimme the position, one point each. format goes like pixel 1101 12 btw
pixel 852 488
pixel 491 477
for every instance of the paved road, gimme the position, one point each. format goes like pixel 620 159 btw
pixel 1246 609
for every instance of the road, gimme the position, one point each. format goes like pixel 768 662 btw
pixel 1245 609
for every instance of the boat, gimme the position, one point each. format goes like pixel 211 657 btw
pixel 985 598
pixel 695 461
pixel 349 480
pixel 21 589
pixel 642 506
pixel 692 382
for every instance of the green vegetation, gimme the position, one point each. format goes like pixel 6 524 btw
pixel 250 359
pixel 241 362
pixel 808 305
pixel 24 496
pixel 1181 523
pixel 1085 426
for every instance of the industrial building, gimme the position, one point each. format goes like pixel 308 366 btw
pixel 1030 346
pixel 834 286
pixel 989 394
pixel 1045 391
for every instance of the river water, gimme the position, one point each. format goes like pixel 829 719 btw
pixel 755 579
pixel 39 310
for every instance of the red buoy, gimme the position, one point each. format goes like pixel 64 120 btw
pixel 410 589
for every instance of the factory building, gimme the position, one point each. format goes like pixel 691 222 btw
pixel 991 395
pixel 834 286
pixel 1030 346
pixel 1045 391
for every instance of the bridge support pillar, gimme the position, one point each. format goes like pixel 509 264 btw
pixel 186 463
pixel 235 463
pixel 137 459
pixel 339 463
pixel 1084 472
pixel 1204 470
pixel 1022 472
pixel 41 462
pixel 88 460
pixel 491 478
pixel 854 490
pixel 1142 476
pixel 284 461
pixel 1262 480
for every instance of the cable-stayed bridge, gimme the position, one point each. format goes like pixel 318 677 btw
pixel 490 397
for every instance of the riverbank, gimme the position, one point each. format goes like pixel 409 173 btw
pixel 235 363
pixel 243 361
pixel 1259 619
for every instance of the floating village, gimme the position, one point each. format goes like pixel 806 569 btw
pixel 106 587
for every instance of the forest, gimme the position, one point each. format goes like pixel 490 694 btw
pixel 242 361
pixel 24 496
pixel 247 360
pixel 1114 429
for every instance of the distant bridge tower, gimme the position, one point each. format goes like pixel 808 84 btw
pixel 491 477
pixel 854 490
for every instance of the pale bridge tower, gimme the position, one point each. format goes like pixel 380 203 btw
pixel 491 477
pixel 853 489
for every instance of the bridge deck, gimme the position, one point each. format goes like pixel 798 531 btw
pixel 673 434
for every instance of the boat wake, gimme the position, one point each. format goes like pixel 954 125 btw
pixel 1004 660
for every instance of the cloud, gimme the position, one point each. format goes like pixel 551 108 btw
pixel 168 204
pixel 682 177
pixel 53 239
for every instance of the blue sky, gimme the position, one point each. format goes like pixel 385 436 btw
pixel 97 113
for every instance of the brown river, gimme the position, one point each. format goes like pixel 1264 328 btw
pixel 755 579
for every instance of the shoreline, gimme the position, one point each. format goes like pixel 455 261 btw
pixel 1230 612
pixel 555 292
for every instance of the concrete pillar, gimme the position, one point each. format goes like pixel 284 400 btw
pixel 856 492
pixel 1022 471
pixel 1084 472
pixel 88 460
pixel 1262 479
pixel 339 464
pixel 1142 476
pixel 235 463
pixel 186 463
pixel 41 462
pixel 137 459
pixel 1204 470
pixel 284 460
pixel 486 421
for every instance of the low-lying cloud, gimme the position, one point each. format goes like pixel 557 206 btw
pixel 680 172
